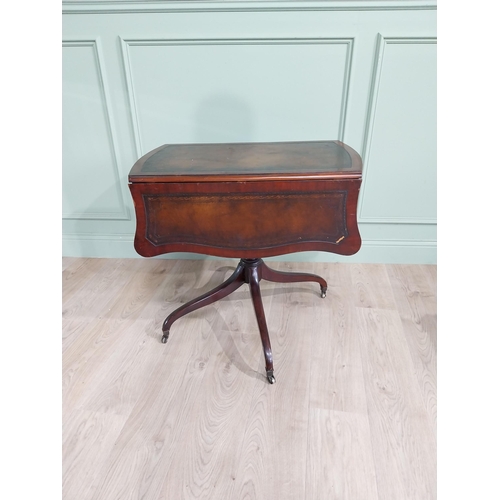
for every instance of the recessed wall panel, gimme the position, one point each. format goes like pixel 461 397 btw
pixel 91 187
pixel 237 90
pixel 400 155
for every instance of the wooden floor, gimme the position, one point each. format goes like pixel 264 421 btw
pixel 352 414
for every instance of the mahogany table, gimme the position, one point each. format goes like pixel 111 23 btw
pixel 247 200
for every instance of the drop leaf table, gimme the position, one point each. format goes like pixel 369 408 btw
pixel 247 201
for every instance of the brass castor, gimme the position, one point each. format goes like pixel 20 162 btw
pixel 165 337
pixel 270 377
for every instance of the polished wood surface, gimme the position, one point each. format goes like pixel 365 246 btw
pixel 247 200
pixel 352 415
pixel 246 219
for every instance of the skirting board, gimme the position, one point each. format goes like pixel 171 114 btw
pixel 372 251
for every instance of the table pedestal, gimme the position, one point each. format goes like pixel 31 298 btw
pixel 249 271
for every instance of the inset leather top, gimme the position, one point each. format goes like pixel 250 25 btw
pixel 247 162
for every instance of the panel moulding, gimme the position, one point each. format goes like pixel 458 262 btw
pixel 162 6
pixel 372 105
pixel 126 43
pixel 123 214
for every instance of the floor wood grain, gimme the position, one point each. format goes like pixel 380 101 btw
pixel 403 440
pixel 340 460
pixel 352 414
pixel 415 299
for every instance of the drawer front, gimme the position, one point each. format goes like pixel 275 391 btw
pixel 246 220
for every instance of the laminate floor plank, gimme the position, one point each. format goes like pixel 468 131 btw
pixel 70 261
pixel 337 381
pixel 372 286
pixel 431 272
pixel 416 299
pixel 340 464
pixel 352 413
pixel 101 337
pixel 93 301
pixel 77 276
pixel 403 441
pixel 155 430
pixel 88 439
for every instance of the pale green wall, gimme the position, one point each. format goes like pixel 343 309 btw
pixel 138 75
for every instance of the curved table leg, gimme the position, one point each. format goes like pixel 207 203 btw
pixel 253 281
pixel 217 293
pixel 283 277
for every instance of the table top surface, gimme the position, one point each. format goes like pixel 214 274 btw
pixel 247 161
